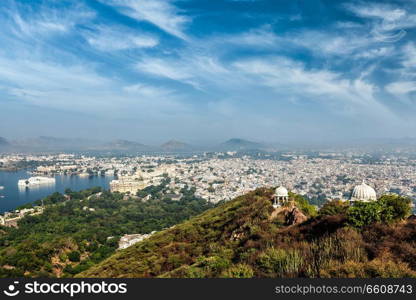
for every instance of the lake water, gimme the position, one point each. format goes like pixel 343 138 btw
pixel 12 196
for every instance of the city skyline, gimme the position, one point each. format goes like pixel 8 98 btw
pixel 207 71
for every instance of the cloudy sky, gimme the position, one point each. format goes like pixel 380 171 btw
pixel 207 70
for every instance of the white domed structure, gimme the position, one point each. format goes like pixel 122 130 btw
pixel 281 192
pixel 363 192
pixel 281 196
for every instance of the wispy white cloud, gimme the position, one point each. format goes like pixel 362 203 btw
pixel 401 87
pixel 26 23
pixel 377 10
pixel 289 78
pixel 145 90
pixel 394 17
pixel 174 70
pixel 221 76
pixel 406 70
pixel 388 22
pixel 409 56
pixel 161 13
pixel 107 38
pixel 256 38
pixel 327 43
pixel 79 88
pixel 348 41
pixel 191 68
pixel 375 52
pixel 52 76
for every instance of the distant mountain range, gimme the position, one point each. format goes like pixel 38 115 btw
pixel 124 145
pixel 174 145
pixel 53 144
pixel 47 143
pixel 240 144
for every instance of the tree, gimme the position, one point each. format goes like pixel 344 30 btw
pixel 303 204
pixel 400 205
pixel 74 256
pixel 387 209
pixel 365 213
pixel 334 207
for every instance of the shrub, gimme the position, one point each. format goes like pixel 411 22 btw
pixel 216 264
pixel 74 256
pixel 334 207
pixel 63 257
pixel 372 269
pixel 349 269
pixel 400 206
pixel 344 245
pixel 280 262
pixel 194 272
pixel 238 271
pixel 303 204
pixel 185 272
pixel 387 209
pixel 388 269
pixel 366 213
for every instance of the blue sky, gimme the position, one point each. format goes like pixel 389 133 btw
pixel 207 70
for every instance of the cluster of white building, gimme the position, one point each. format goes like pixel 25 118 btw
pixel 362 192
pixel 217 178
pixel 141 179
pixel 36 181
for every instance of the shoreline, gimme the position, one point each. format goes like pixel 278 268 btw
pixel 11 169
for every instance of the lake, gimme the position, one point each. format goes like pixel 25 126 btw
pixel 12 195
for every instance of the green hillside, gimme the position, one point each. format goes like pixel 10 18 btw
pixel 244 238
pixel 81 229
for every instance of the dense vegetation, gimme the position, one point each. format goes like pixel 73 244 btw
pixel 75 230
pixel 242 238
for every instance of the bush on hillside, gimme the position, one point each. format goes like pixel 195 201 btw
pixel 334 207
pixel 303 204
pixel 279 262
pixel 74 256
pixel 238 271
pixel 387 209
pixel 399 205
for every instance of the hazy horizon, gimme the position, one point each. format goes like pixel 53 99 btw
pixel 203 72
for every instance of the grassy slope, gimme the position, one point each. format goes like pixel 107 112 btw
pixel 184 243
pixel 237 239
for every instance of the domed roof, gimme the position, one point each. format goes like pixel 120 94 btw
pixel 363 192
pixel 281 192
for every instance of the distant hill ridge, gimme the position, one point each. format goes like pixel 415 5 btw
pixel 173 145
pixel 124 145
pixel 241 144
pixel 48 143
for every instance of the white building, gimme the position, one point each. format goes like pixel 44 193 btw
pixel 281 196
pixel 37 180
pixel 363 192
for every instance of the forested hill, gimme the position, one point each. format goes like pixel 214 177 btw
pixel 80 229
pixel 247 238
